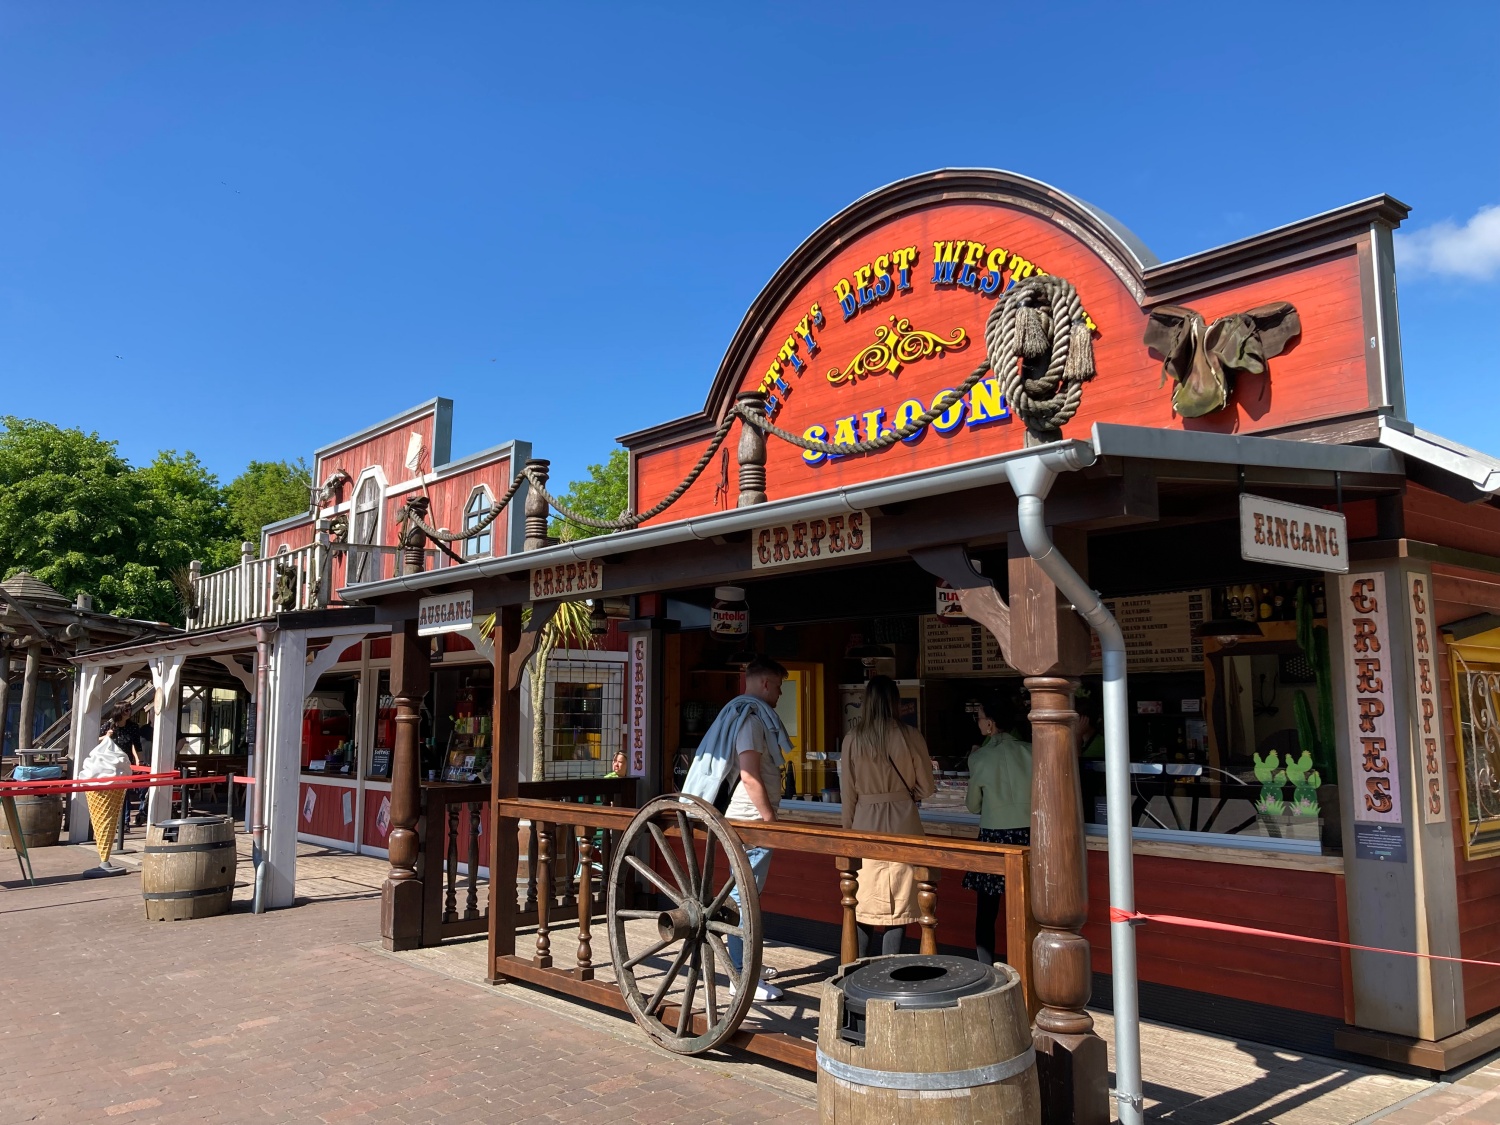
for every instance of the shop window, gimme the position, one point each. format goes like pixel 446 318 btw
pixel 328 726
pixel 384 742
pixel 582 722
pixel 365 528
pixel 474 513
pixel 1476 690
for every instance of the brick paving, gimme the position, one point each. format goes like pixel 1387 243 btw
pixel 288 1017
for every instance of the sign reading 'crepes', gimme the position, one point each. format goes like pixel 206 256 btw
pixel 1429 722
pixel 1292 535
pixel 1372 749
pixel 810 540
pixel 566 580
pixel 445 613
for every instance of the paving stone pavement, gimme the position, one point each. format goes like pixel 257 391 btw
pixel 287 1017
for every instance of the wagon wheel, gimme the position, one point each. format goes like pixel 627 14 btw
pixel 691 932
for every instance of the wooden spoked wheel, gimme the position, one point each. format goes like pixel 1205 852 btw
pixel 693 860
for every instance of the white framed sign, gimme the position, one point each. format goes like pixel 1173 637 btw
pixel 1371 753
pixel 639 694
pixel 566 580
pixel 445 613
pixel 822 537
pixel 1274 531
pixel 1428 718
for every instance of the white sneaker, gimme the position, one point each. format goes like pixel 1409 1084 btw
pixel 763 991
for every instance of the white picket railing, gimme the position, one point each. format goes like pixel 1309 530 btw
pixel 248 591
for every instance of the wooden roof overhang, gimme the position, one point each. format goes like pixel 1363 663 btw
pixel 1126 475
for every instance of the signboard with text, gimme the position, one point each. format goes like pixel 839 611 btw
pixel 820 539
pixel 445 613
pixel 1428 719
pixel 1273 531
pixel 1371 749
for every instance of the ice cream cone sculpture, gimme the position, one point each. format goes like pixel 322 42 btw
pixel 104 814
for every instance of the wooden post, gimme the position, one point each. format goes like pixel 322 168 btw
pixel 26 721
pixel 543 958
pixel 848 869
pixel 505 774
pixel 4 691
pixel 752 452
pixel 401 894
pixel 927 878
pixel 1049 644
pixel 536 506
pixel 585 901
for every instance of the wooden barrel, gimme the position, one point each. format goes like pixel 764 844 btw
pixel 40 820
pixel 188 869
pixel 925 1040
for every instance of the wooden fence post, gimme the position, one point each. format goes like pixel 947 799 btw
pixel 401 894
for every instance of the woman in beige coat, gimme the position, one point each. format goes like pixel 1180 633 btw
pixel 884 770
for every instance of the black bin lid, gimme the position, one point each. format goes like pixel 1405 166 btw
pixel 917 981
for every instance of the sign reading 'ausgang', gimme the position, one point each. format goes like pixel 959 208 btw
pixel 445 613
pixel 1292 535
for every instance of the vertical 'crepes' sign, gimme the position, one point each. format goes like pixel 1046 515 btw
pixel 1371 757
pixel 1429 722
pixel 640 702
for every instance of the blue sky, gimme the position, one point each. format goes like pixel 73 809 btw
pixel 246 229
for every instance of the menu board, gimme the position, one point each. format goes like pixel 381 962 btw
pixel 959 650
pixel 1158 630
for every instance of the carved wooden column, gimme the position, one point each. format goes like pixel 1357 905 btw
pixel 26 720
pixel 752 452
pixel 536 506
pixel 505 776
pixel 401 894
pixel 1050 645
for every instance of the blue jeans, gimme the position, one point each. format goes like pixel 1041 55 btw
pixel 760 864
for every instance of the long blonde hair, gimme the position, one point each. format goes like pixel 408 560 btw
pixel 879 714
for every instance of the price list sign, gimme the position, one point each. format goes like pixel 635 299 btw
pixel 1158 630
pixel 959 650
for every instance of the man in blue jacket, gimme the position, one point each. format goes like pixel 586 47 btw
pixel 745 746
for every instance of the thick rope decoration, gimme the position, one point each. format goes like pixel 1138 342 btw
pixel 1036 338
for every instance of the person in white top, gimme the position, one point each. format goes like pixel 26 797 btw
pixel 757 796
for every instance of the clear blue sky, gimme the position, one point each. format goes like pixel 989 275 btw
pixel 288 220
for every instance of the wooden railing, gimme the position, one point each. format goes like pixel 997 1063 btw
pixel 456 903
pixel 249 591
pixel 928 855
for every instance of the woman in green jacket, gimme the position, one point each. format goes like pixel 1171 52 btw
pixel 1000 792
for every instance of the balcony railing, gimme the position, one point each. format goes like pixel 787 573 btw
pixel 297 579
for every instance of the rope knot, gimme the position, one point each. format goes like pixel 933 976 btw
pixel 1038 342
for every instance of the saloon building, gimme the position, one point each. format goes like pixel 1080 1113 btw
pixel 906 434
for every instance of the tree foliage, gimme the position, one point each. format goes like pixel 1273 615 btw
pixel 603 495
pixel 265 492
pixel 79 517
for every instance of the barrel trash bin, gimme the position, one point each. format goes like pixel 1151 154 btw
pixel 40 821
pixel 925 1040
pixel 188 868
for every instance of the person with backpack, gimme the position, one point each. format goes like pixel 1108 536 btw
pixel 741 756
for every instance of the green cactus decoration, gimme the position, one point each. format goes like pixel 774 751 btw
pixel 1305 782
pixel 1272 783
pixel 1315 733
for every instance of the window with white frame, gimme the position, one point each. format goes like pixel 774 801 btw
pixel 474 512
pixel 365 527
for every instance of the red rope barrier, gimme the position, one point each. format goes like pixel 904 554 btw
pixel 61 785
pixel 1117 915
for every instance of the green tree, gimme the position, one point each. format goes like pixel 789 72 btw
pixel 265 492
pixel 71 512
pixel 603 495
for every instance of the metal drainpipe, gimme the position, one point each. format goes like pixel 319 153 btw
pixel 1032 479
pixel 255 810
